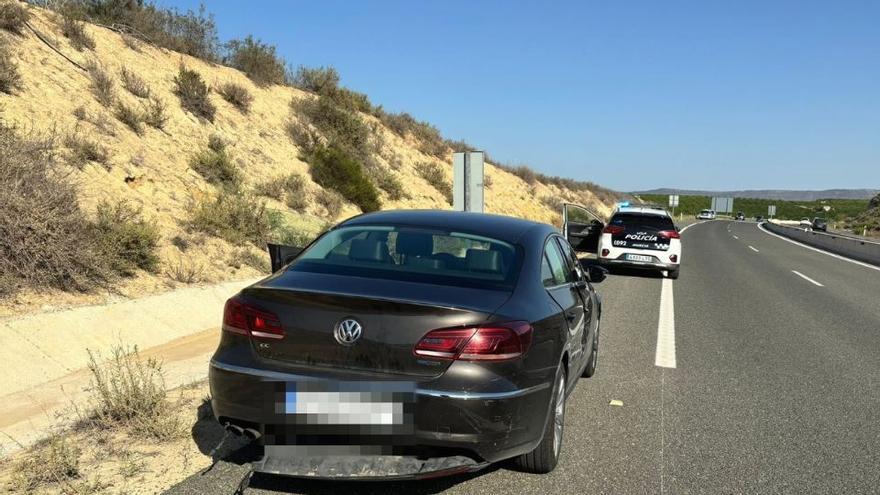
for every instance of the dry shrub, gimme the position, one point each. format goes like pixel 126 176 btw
pixel 303 136
pixel 193 93
pixel 290 188
pixel 134 84
pixel 13 16
pixel 130 391
pixel 388 182
pixel 185 271
pixel 342 127
pixel 52 461
pixel 10 79
pixel 84 150
pixel 102 84
pixel 75 31
pixel 248 257
pixel 154 114
pixel 215 164
pixel 237 95
pixel 256 59
pixel 129 116
pixel 127 241
pixel 234 216
pixel 332 201
pixel 434 175
pixel 45 239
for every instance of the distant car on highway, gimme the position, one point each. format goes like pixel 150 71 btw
pixel 740 216
pixel 410 344
pixel 806 223
pixel 706 215
pixel 820 224
pixel 644 238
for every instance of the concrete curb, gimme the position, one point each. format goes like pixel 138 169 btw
pixel 42 347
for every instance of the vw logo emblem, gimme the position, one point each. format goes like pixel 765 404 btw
pixel 348 331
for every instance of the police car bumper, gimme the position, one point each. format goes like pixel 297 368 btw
pixel 654 264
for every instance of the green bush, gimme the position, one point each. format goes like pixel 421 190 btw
pixel 428 138
pixel 388 182
pixel 127 240
pixel 256 59
pixel 236 217
pixel 129 116
pixel 134 84
pixel 433 174
pixel 330 200
pixel 215 164
pixel 237 95
pixel 290 188
pixel 193 93
pixel 75 31
pixel 333 168
pixel 13 16
pixel 324 81
pixel 342 127
pixel 10 79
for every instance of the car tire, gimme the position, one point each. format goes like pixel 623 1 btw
pixel 590 370
pixel 673 274
pixel 546 455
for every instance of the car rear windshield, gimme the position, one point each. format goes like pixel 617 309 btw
pixel 414 255
pixel 633 221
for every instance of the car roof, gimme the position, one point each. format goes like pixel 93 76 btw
pixel 500 227
pixel 643 210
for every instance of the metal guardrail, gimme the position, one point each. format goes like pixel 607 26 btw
pixel 856 248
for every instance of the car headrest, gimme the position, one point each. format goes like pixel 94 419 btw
pixel 367 250
pixel 429 263
pixel 414 244
pixel 483 261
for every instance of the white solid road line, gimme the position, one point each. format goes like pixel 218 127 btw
pixel 753 249
pixel 808 279
pixel 833 255
pixel 689 226
pixel 736 237
pixel 665 355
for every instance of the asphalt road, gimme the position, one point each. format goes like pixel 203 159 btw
pixel 775 389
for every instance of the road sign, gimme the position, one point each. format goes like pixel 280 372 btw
pixel 673 200
pixel 467 181
pixel 722 205
pixel 771 210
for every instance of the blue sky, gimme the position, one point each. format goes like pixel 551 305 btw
pixel 631 95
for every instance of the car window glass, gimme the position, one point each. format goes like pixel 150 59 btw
pixel 557 262
pixel 546 273
pixel 574 266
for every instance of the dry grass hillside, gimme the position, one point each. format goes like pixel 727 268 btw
pixel 118 131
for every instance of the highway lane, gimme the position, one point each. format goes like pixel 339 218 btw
pixel 776 386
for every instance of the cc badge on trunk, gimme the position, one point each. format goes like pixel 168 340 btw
pixel 348 331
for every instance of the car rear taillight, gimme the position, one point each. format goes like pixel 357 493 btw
pixel 490 342
pixel 605 252
pixel 669 234
pixel 244 319
pixel 613 229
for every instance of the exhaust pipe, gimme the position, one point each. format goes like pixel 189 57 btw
pixel 237 430
pixel 251 433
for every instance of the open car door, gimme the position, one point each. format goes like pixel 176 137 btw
pixel 582 228
pixel 281 255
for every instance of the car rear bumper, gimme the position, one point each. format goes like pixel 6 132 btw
pixel 449 430
pixel 642 265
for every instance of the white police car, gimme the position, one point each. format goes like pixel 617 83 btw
pixel 641 237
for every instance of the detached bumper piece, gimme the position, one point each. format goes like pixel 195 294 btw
pixel 346 463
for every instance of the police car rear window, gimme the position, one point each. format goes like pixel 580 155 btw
pixel 655 222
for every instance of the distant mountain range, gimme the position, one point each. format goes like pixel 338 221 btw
pixel 785 194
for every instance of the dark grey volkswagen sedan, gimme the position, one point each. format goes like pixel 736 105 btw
pixel 409 344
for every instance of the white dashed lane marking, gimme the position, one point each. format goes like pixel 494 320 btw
pixel 753 249
pixel 808 279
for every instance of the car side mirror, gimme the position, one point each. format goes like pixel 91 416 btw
pixel 597 273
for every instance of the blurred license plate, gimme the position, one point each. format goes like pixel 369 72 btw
pixel 638 257
pixel 349 403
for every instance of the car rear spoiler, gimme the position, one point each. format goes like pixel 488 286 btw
pixel 281 255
